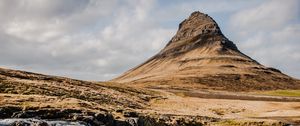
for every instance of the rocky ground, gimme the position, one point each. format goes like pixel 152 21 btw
pixel 42 99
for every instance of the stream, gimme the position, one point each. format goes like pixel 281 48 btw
pixel 39 122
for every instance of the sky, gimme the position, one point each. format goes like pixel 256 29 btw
pixel 100 39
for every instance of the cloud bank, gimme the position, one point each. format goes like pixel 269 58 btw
pixel 98 40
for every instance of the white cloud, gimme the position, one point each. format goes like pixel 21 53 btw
pixel 101 62
pixel 270 15
pixel 33 31
pixel 97 40
pixel 100 37
pixel 270 33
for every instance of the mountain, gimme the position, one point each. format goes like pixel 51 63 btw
pixel 200 54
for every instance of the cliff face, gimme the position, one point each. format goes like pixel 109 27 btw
pixel 200 54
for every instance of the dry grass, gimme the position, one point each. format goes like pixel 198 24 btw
pixel 231 122
pixel 28 90
pixel 39 101
pixel 289 93
pixel 219 111
pixel 113 95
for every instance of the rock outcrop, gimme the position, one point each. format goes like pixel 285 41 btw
pixel 200 54
pixel 15 116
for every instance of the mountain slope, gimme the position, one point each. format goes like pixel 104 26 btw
pixel 200 54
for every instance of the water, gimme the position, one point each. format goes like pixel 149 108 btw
pixel 38 122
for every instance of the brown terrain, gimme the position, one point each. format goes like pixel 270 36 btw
pixel 199 78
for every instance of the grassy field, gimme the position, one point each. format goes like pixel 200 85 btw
pixel 290 93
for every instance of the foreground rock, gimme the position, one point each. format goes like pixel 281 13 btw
pixel 69 117
pixel 43 117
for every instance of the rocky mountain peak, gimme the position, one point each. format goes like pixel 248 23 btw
pixel 196 24
pixel 199 54
pixel 198 31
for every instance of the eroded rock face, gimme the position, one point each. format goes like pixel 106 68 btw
pixel 200 54
pixel 198 31
pixel 197 24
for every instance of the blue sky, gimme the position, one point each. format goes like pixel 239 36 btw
pixel 101 39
